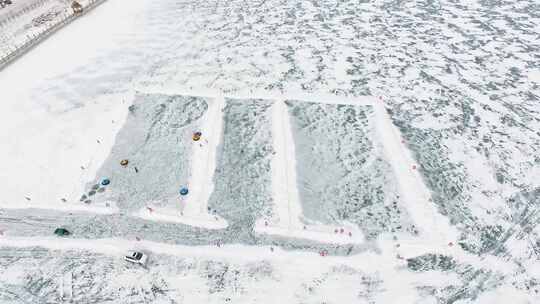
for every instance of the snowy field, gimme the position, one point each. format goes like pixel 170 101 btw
pixel 436 177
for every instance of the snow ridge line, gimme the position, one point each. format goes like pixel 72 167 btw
pixel 261 94
pixel 201 182
pixel 284 188
pixel 433 225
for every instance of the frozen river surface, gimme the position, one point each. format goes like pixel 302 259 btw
pixel 461 81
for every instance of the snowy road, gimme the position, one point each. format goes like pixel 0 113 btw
pixel 29 223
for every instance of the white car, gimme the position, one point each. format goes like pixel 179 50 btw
pixel 136 257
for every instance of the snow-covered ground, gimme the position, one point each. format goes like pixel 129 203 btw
pixel 455 135
pixel 19 7
pixel 25 19
pixel 241 273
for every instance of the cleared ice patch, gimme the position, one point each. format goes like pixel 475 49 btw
pixel 342 174
pixel 150 161
pixel 242 178
pixel 287 213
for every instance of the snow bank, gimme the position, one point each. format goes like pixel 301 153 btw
pixel 203 220
pixel 433 225
pixel 203 163
pixel 287 206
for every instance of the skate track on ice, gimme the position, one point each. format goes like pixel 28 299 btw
pixel 433 226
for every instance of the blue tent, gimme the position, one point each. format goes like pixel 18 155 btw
pixel 61 232
pixel 105 181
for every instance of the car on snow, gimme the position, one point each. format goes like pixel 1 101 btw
pixel 136 257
